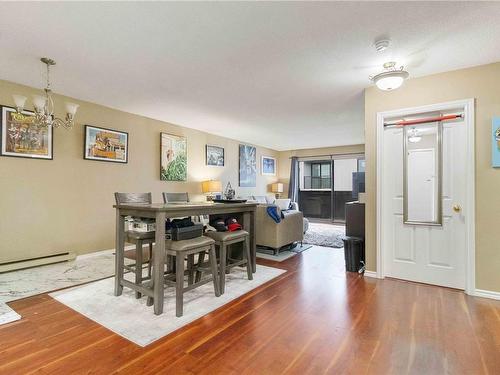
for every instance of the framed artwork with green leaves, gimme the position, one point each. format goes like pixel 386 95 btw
pixel 173 158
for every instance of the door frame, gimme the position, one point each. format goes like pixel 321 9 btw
pixel 467 106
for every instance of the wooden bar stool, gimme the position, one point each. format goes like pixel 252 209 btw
pixel 139 255
pixel 188 248
pixel 225 239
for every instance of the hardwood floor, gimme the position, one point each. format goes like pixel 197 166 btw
pixel 314 319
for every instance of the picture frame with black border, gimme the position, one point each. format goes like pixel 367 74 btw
pixel 16 136
pixel 214 156
pixel 103 148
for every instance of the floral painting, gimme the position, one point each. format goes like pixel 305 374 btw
pixel 173 158
pixel 20 136
pixel 248 166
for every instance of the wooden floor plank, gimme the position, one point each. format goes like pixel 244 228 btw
pixel 314 319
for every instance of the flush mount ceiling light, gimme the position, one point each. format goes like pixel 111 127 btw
pixel 391 78
pixel 44 105
pixel 414 136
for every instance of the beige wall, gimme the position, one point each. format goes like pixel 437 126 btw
pixel 483 84
pixel 284 158
pixel 65 204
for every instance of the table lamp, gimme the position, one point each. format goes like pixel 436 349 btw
pixel 210 187
pixel 277 189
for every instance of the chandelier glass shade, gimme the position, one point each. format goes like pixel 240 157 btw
pixel 44 106
pixel 391 78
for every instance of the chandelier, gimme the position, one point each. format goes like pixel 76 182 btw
pixel 44 106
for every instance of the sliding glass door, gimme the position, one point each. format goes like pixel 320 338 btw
pixel 327 184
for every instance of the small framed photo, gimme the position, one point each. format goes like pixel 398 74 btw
pixel 103 144
pixel 20 137
pixel 268 166
pixel 214 155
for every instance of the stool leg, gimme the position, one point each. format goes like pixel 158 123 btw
pixel 170 264
pixel 246 245
pixel 229 253
pixel 212 257
pixel 150 264
pixel 201 259
pixel 150 300
pixel 222 267
pixel 138 265
pixel 190 267
pixel 179 288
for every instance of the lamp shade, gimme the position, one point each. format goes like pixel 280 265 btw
pixel 211 186
pixel 277 187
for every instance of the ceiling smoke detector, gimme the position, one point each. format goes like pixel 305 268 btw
pixel 382 44
pixel 391 78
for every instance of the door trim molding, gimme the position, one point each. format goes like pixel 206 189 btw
pixel 467 106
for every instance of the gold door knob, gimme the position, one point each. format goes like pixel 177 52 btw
pixel 457 208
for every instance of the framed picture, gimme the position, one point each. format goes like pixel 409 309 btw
pixel 20 137
pixel 248 166
pixel 214 155
pixel 268 166
pixel 103 144
pixel 495 142
pixel 173 158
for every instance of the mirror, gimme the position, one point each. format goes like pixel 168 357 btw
pixel 422 174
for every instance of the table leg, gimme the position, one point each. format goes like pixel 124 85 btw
pixel 249 225
pixel 119 252
pixel 253 239
pixel 159 263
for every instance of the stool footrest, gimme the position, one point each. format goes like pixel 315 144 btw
pixel 236 262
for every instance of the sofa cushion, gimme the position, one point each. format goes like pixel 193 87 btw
pixel 283 204
pixel 263 199
pixel 260 199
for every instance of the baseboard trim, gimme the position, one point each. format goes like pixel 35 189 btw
pixel 371 274
pixel 41 261
pixel 101 252
pixel 487 294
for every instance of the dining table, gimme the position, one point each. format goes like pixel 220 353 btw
pixel 160 212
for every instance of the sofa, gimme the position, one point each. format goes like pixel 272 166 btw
pixel 277 235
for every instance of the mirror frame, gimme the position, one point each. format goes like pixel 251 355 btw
pixel 439 221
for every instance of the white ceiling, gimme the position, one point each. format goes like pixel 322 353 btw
pixel 282 75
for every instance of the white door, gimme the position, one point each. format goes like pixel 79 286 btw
pixel 431 254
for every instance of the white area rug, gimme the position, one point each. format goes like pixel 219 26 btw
pixel 131 318
pixel 327 235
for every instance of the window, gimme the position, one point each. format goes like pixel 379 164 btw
pixel 317 175
pixel 361 165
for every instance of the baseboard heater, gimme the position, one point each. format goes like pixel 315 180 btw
pixel 38 261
